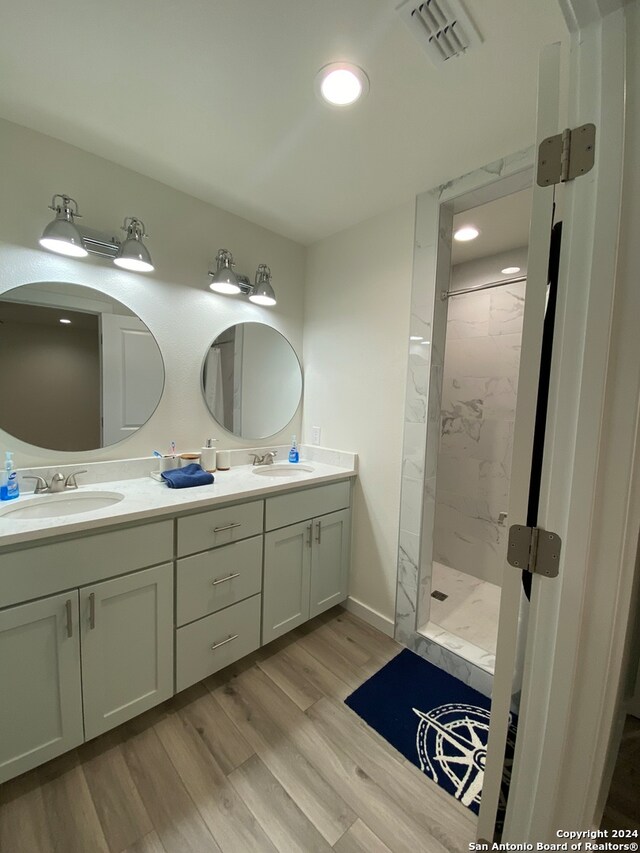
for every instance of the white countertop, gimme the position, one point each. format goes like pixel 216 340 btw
pixel 146 499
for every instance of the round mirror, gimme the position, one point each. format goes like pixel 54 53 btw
pixel 251 380
pixel 79 371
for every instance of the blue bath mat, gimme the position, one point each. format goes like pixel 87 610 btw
pixel 439 723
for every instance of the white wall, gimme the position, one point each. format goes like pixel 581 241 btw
pixel 355 353
pixel 174 301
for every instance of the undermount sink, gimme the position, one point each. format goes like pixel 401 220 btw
pixel 53 506
pixel 281 470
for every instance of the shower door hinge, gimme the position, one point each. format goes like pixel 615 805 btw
pixel 566 155
pixel 534 550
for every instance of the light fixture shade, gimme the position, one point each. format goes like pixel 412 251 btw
pixel 224 280
pixel 262 292
pixel 133 254
pixel 61 234
pixel 341 84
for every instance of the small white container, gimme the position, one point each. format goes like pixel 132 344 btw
pixel 208 455
pixel 189 459
pixel 168 463
pixel 223 460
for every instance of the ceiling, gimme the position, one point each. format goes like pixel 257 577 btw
pixel 216 98
pixel 503 224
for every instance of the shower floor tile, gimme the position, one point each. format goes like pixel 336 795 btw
pixel 471 608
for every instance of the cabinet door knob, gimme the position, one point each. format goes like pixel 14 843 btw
pixel 319 533
pixel 223 642
pixel 67 607
pixel 92 610
pixel 223 580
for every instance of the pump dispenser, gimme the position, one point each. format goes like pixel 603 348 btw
pixel 294 455
pixel 9 489
pixel 208 455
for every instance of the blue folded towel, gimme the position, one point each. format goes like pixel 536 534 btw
pixel 190 475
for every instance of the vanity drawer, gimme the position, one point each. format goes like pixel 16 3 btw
pixel 307 503
pixel 219 527
pixel 214 642
pixel 216 579
pixel 45 569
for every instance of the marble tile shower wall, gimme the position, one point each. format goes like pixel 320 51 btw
pixel 424 372
pixel 479 390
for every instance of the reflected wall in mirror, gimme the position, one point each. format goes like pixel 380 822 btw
pixel 251 380
pixel 79 370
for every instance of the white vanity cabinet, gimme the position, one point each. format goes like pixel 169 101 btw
pixel 218 590
pixel 88 656
pixel 126 638
pixel 306 564
pixel 100 627
pixel 40 687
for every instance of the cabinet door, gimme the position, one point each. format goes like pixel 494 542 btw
pixel 330 561
pixel 41 701
pixel 127 646
pixel 285 591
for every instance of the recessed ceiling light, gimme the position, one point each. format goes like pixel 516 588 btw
pixel 415 337
pixel 466 233
pixel 510 270
pixel 63 320
pixel 341 83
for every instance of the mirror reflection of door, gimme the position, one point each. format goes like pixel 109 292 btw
pixel 132 377
pixel 79 369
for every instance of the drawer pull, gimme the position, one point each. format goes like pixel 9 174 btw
pixel 67 606
pixel 92 610
pixel 223 580
pixel 224 642
pixel 227 527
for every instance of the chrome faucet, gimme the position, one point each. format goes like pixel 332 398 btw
pixel 58 483
pixel 266 459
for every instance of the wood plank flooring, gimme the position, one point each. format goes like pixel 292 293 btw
pixel 622 810
pixel 263 756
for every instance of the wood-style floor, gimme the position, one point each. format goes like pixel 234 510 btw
pixel 622 810
pixel 263 756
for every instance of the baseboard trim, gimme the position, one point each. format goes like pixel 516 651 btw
pixel 368 614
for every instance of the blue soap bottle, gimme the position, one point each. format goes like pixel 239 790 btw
pixel 294 456
pixel 9 489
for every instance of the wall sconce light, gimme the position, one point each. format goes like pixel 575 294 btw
pixel 225 280
pixel 133 254
pixel 63 236
pixel 262 292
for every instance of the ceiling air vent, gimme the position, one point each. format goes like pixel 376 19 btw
pixel 443 27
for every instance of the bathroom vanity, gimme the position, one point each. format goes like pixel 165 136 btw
pixel 107 613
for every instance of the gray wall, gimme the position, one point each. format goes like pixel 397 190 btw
pixel 50 385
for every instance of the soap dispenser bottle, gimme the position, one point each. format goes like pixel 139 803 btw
pixel 294 455
pixel 9 489
pixel 208 455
